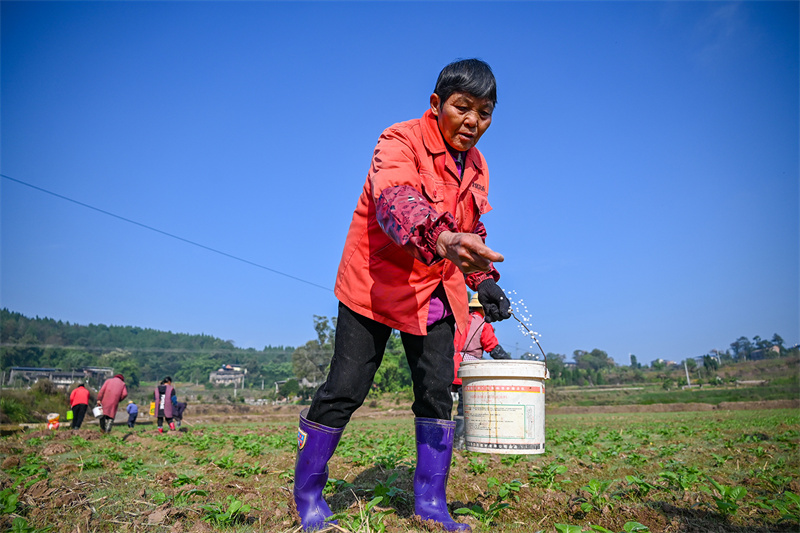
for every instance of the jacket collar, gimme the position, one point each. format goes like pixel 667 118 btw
pixel 432 138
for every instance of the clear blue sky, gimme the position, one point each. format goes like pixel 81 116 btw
pixel 643 160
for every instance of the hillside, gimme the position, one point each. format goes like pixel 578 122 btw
pixel 139 353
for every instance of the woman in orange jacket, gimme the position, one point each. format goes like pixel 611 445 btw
pixel 415 242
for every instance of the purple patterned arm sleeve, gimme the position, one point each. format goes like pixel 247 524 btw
pixel 407 218
pixel 475 279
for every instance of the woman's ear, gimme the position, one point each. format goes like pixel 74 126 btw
pixel 435 104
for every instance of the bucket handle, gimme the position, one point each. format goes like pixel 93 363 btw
pixel 533 335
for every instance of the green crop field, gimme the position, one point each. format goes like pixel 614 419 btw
pixel 720 471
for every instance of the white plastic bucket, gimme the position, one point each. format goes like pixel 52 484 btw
pixel 504 405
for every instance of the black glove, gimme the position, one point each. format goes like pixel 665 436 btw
pixel 496 306
pixel 499 353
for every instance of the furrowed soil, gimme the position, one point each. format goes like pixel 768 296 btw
pixel 671 468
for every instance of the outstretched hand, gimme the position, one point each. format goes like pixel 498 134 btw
pixel 467 251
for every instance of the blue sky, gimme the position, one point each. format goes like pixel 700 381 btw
pixel 643 160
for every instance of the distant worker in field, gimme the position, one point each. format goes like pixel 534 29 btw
pixel 79 403
pixel 166 400
pixel 133 413
pixel 415 241
pixel 180 407
pixel 469 346
pixel 111 393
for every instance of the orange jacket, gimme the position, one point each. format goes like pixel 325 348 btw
pixel 78 396
pixel 390 282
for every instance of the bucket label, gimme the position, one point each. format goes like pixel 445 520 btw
pixel 510 421
pixel 504 415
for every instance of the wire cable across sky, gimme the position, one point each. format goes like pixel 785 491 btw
pixel 162 232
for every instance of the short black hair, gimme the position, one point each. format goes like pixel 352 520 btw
pixel 471 76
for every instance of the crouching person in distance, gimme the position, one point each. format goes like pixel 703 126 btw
pixel 415 242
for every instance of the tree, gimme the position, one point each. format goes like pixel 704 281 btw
pixel 311 360
pixel 555 364
pixel 594 360
pixel 394 374
pixel 710 363
pixel 742 348
pixel 290 388
pixel 634 362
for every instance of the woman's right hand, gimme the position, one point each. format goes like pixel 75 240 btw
pixel 467 251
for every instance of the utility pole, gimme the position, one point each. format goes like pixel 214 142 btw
pixel 686 368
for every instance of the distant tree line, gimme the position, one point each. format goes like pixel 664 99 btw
pixel 597 368
pixel 138 353
pixel 149 355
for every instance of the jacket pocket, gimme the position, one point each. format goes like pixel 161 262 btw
pixel 432 188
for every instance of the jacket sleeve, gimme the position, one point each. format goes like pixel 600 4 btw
pixel 411 222
pixel 402 210
pixel 101 393
pixel 476 278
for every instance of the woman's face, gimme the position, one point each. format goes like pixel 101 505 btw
pixel 462 118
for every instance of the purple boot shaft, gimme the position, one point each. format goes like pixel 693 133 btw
pixel 434 452
pixel 315 446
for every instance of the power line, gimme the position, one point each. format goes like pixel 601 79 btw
pixel 171 235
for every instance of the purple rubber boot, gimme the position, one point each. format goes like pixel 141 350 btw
pixel 434 451
pixel 315 446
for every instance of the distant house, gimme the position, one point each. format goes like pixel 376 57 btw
pixel 63 380
pixel 228 375
pixel 761 353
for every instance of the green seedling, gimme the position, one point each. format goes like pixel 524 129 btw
pixel 8 501
pixel 91 463
pixel 598 499
pixel 642 486
pixel 79 442
pixel 247 470
pixel 680 476
pixel 484 516
pixel 788 506
pixel 477 467
pixel 184 479
pixel 185 495
pixel 132 468
pixel 726 497
pixel 488 515
pixel 546 478
pixel 505 489
pixel 172 456
pixel 369 517
pixel 225 462
pixel 333 485
pixel 720 460
pixel 221 515
pixel 387 491
pixel 20 525
pixel 511 460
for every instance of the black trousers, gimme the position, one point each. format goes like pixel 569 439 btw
pixel 357 354
pixel 78 412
